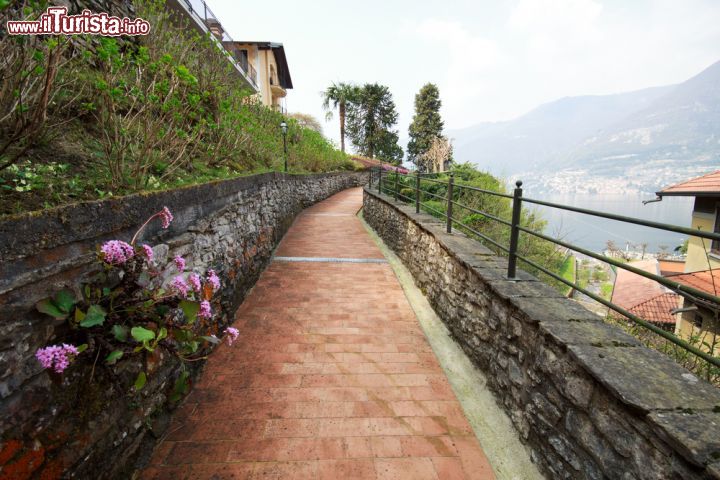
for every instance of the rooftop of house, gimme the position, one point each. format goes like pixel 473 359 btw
pixel 707 280
pixel 644 297
pixel 707 185
pixel 657 309
pixel 632 289
pixel 668 268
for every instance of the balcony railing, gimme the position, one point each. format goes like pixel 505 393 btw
pixel 205 16
pixel 252 73
pixel 246 65
pixel 394 183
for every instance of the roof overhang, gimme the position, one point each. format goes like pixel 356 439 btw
pixel 687 194
pixel 707 185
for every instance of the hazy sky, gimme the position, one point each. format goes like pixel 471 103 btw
pixel 492 60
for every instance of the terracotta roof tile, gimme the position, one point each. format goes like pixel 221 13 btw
pixel 709 183
pixel 632 289
pixel 708 280
pixel 657 309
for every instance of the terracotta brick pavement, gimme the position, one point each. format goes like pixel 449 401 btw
pixel 331 378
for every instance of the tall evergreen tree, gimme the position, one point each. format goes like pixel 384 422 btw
pixel 426 124
pixel 370 119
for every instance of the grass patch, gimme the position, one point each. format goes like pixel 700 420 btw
pixel 584 274
pixel 567 271
pixel 606 290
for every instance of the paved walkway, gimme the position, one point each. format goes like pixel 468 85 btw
pixel 331 378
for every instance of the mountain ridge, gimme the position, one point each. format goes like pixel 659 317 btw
pixel 673 129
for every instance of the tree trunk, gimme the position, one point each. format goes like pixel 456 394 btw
pixel 342 127
pixel 371 141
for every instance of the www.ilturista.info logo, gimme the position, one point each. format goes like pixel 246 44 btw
pixel 56 21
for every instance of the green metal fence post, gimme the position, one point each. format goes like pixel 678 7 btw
pixel 514 230
pixel 380 180
pixel 451 182
pixel 417 191
pixel 397 185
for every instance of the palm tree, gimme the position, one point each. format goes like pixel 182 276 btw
pixel 338 95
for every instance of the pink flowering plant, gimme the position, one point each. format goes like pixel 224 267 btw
pixel 137 304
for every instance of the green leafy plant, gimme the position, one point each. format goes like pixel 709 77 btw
pixel 704 340
pixel 135 305
pixel 30 84
pixel 59 306
pixel 146 113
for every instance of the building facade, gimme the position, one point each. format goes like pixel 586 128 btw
pixel 269 62
pixel 262 66
pixel 698 319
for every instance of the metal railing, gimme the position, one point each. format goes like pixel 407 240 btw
pixel 391 182
pixel 252 73
pixel 205 16
pixel 245 64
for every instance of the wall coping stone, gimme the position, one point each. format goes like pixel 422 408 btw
pixel 683 409
pixel 646 379
pixel 697 439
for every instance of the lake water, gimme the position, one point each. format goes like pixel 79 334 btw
pixel 593 232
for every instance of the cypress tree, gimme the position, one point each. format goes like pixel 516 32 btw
pixel 426 123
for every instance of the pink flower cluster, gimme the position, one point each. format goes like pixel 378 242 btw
pixel 180 285
pixel 179 263
pixel 195 283
pixel 205 310
pixel 148 251
pixel 213 280
pixel 166 217
pixel 117 252
pixel 232 334
pixel 57 357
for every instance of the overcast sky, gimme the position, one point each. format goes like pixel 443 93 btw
pixel 492 59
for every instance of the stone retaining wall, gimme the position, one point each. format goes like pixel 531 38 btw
pixel 589 401
pixel 87 424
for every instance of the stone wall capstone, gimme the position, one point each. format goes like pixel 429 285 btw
pixel 85 425
pixel 588 400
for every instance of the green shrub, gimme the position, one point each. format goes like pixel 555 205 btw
pixel 149 113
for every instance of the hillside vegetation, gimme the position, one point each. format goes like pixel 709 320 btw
pixel 467 202
pixel 88 117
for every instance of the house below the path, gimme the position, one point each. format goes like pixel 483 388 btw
pixel 698 319
pixel 645 297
